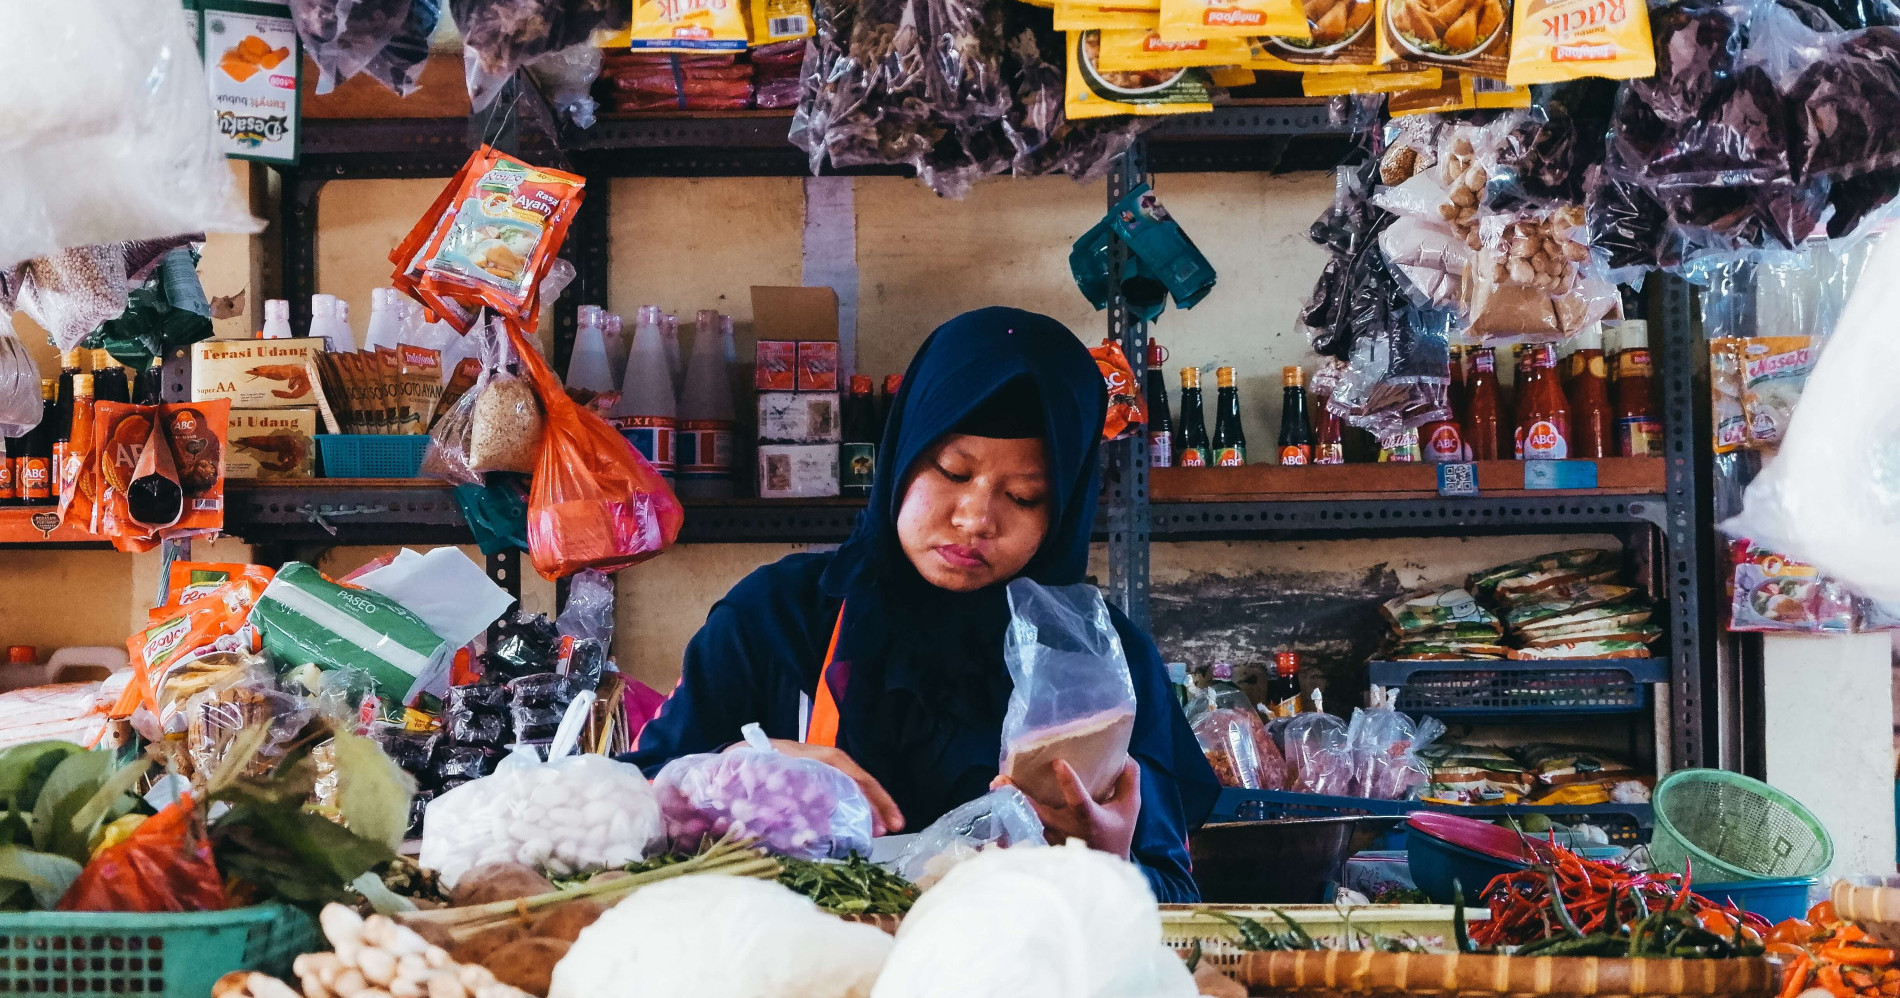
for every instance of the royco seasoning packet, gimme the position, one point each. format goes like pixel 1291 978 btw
pixel 1185 20
pixel 1470 36
pixel 271 443
pixel 1557 40
pixel 254 374
pixel 509 220
pixel 688 26
pixel 1095 93
pixel 305 619
pixel 1135 51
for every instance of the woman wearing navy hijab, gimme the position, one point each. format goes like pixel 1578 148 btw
pixel 885 657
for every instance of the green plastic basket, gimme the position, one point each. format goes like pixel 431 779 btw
pixel 170 955
pixel 1730 827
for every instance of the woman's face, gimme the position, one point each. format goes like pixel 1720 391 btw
pixel 975 510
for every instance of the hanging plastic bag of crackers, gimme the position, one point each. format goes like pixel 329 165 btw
pixel 595 502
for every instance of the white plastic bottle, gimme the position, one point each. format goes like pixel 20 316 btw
pixel 385 319
pixel 647 412
pixel 587 365
pixel 610 330
pixel 337 338
pixel 706 415
pixel 276 320
pixel 670 333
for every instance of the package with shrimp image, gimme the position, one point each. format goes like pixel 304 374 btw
pixel 254 374
pixel 271 443
pixel 1470 36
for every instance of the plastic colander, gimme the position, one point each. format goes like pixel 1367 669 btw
pixel 1729 827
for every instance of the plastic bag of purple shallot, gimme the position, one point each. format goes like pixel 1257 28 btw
pixel 793 807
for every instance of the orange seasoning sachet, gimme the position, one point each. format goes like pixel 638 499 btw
pixel 509 221
pixel 1557 40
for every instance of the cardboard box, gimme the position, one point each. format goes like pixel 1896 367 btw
pixel 817 366
pixel 799 418
pixel 775 366
pixel 798 471
pixel 271 443
pixel 254 374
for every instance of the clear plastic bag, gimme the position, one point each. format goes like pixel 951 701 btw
pixel 1318 755
pixel 1236 744
pixel 1385 746
pixel 1399 374
pixel 447 455
pixel 501 36
pixel 72 292
pixel 398 65
pixel 1533 278
pixel 20 407
pixel 506 425
pixel 570 815
pixel 342 36
pixel 1000 819
pixel 1073 700
pixel 795 807
pixel 1530 157
pixel 567 79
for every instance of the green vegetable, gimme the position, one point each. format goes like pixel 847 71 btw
pixel 855 886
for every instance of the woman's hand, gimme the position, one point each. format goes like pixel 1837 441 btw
pixel 1107 825
pixel 885 817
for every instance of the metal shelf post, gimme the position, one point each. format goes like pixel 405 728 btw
pixel 1127 506
pixel 1690 562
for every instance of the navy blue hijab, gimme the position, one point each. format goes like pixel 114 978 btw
pixel 918 675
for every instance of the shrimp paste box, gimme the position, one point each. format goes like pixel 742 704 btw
pixel 271 443
pixel 254 374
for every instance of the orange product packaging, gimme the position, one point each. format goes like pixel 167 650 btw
pixel 1133 51
pixel 1124 390
pixel 1186 20
pixel 1557 40
pixel 1470 36
pixel 174 489
pixel 509 220
pixel 165 865
pixel 176 635
pixel 190 581
pixel 1338 37
pixel 595 502
pixel 1340 84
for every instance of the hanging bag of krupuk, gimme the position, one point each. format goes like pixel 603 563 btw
pixel 1338 37
pixel 1186 20
pixel 595 503
pixel 509 221
pixel 1470 36
pixel 688 26
pixel 1126 51
pixel 1557 40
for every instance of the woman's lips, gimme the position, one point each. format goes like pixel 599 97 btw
pixel 959 556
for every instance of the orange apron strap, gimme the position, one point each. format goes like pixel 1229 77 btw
pixel 822 728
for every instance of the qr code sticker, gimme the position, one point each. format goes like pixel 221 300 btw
pixel 1458 479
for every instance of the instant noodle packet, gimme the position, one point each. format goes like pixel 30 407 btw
pixel 688 26
pixel 1774 370
pixel 1730 423
pixel 1342 84
pixel 509 219
pixel 1186 20
pixel 1557 40
pixel 1470 36
pixel 1125 51
pixel 1092 92
pixel 769 22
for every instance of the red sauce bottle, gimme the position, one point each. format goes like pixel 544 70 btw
pixel 1638 431
pixel 1442 441
pixel 1543 429
pixel 1589 397
pixel 1482 430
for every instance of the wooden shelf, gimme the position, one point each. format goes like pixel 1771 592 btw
pixel 40 526
pixel 1273 482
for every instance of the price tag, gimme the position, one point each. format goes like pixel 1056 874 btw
pixel 1560 474
pixel 1458 479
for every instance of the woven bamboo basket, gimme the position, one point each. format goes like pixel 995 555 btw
pixel 1455 975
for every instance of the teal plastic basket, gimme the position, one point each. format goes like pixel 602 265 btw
pixel 372 455
pixel 174 955
pixel 1723 826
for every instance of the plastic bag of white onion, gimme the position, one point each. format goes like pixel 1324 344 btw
pixel 575 815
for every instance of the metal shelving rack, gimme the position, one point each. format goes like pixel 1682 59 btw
pixel 1670 534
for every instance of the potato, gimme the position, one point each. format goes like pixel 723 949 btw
pixel 477 948
pixel 499 882
pixel 566 921
pixel 527 964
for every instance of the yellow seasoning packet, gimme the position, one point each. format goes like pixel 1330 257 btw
pixel 1231 76
pixel 769 22
pixel 1338 36
pixel 1124 51
pixel 1342 84
pixel 688 26
pixel 1091 17
pixel 1470 36
pixel 1453 93
pixel 1557 40
pixel 1489 93
pixel 1185 20
pixel 1092 92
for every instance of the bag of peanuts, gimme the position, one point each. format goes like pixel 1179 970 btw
pixel 1532 277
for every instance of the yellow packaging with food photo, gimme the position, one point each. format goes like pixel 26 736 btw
pixel 769 22
pixel 1090 17
pixel 1343 84
pixel 1132 51
pixel 1230 76
pixel 1185 20
pixel 688 26
pixel 1470 36
pixel 1453 93
pixel 1338 36
pixel 1489 93
pixel 1092 92
pixel 271 443
pixel 1557 40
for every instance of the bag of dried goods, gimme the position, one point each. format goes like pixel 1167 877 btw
pixel 1473 773
pixel 1073 702
pixel 1000 819
pixel 501 36
pixel 714 936
pixel 343 36
pixel 1237 746
pixel 1436 608
pixel 505 423
pixel 571 815
pixel 71 292
pixel 795 807
pixel 1514 582
pixel 1068 921
pixel 1531 277
pixel 1318 755
pixel 1385 748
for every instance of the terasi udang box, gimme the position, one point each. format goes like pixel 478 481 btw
pixel 271 443
pixel 254 374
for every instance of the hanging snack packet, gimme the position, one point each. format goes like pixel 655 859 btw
pixel 509 219
pixel 1470 36
pixel 1338 84
pixel 408 256
pixel 1725 390
pixel 671 26
pixel 1774 370
pixel 1490 93
pixel 769 22
pixel 1089 17
pixel 1338 36
pixel 1133 51
pixel 1556 40
pixel 1186 20
pixel 196 432
pixel 1124 398
pixel 1095 93
pixel 1453 93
